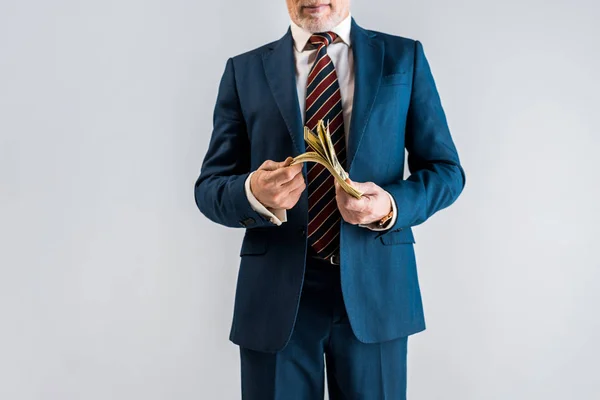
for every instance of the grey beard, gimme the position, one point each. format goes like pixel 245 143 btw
pixel 320 26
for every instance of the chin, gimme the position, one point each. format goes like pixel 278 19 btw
pixel 319 24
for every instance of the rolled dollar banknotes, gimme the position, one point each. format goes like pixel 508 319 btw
pixel 324 154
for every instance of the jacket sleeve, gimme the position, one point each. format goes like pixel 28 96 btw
pixel 219 190
pixel 436 176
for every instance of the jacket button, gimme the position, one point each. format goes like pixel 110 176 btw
pixel 302 232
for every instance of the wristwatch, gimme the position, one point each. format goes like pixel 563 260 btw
pixel 385 219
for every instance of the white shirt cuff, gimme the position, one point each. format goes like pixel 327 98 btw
pixel 375 225
pixel 276 216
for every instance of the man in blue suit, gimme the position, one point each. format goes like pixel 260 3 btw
pixel 324 275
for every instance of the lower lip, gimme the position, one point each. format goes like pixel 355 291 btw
pixel 315 10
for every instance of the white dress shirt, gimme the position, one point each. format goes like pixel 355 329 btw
pixel 340 53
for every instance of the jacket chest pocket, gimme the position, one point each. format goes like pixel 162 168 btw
pixel 400 78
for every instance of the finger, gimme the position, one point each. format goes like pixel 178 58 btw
pixel 364 187
pixel 270 165
pixel 356 185
pixel 296 168
pixel 296 193
pixel 355 205
pixel 345 196
pixel 282 176
pixel 295 183
pixel 347 216
pixel 282 172
pixel 289 171
pixel 338 187
pixel 342 196
pixel 291 198
pixel 368 188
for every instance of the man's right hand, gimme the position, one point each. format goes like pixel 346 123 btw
pixel 277 184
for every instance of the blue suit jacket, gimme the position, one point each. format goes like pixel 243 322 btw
pixel 257 117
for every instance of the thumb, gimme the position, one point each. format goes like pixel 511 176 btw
pixel 356 185
pixel 360 186
pixel 338 187
pixel 271 165
pixel 286 162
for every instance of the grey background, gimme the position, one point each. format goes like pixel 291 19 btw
pixel 114 286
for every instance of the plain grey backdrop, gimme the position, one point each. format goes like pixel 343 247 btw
pixel 114 286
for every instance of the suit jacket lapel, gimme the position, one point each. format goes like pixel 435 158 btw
pixel 368 67
pixel 280 69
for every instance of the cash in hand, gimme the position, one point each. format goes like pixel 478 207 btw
pixel 324 154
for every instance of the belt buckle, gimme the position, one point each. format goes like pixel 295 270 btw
pixel 334 259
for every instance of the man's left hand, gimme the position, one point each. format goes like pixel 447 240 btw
pixel 374 204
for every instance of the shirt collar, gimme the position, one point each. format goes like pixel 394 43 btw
pixel 301 36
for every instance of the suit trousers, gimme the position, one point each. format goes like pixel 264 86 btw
pixel 322 336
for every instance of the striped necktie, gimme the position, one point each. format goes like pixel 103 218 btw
pixel 323 101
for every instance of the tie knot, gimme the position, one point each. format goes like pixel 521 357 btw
pixel 323 39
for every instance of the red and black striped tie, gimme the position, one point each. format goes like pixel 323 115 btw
pixel 323 101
